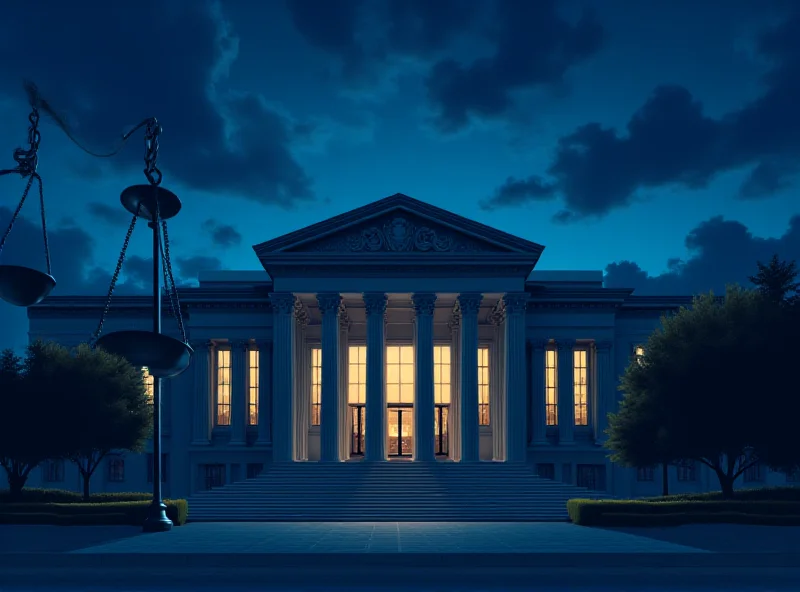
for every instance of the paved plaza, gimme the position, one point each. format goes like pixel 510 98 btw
pixel 387 537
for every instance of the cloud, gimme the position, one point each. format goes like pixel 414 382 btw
pixel 670 141
pixel 519 191
pixel 189 268
pixel 720 252
pixel 533 46
pixel 168 58
pixel 222 235
pixel 106 213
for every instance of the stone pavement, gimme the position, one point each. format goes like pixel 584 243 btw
pixel 387 537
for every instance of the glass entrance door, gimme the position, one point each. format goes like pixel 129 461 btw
pixel 440 430
pixel 359 420
pixel 401 431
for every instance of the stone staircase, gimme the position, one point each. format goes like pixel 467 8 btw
pixel 389 491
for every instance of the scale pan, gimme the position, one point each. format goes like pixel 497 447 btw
pixel 164 356
pixel 23 286
pixel 143 198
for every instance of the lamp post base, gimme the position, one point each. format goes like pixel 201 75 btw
pixel 157 520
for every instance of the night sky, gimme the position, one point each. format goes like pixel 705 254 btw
pixel 656 140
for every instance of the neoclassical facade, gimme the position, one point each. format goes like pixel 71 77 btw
pixel 397 332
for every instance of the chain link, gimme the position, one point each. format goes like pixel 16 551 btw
pixel 115 278
pixel 44 223
pixel 151 171
pixel 176 306
pixel 28 159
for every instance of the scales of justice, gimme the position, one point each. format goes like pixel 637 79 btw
pixel 162 355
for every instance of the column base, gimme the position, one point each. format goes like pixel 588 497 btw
pixel 237 443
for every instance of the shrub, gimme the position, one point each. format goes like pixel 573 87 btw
pixel 109 513
pixel 757 493
pixel 680 518
pixel 63 496
pixel 652 513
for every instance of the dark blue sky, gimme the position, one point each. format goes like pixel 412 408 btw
pixel 657 140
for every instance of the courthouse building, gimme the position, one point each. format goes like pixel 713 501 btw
pixel 396 332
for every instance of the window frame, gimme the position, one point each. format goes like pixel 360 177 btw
pixel 490 348
pixel 551 347
pixel 220 349
pixel 315 398
pixel 117 476
pixel 253 392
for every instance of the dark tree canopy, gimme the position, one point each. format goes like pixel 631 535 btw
pixel 709 388
pixel 777 280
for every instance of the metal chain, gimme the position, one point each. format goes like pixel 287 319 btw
pixel 27 160
pixel 115 277
pixel 15 215
pixel 173 288
pixel 151 171
pixel 44 223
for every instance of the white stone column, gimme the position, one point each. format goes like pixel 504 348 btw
pixel 201 401
pixel 264 392
pixel 454 415
pixel 282 376
pixel 470 432
pixel 606 393
pixel 238 393
pixel 345 428
pixel 329 416
pixel 302 386
pixel 538 398
pixel 375 428
pixel 516 445
pixel 566 392
pixel 424 419
pixel 497 394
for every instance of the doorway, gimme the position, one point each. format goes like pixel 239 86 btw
pixel 401 431
pixel 441 446
pixel 359 421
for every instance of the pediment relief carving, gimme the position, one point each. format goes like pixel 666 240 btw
pixel 399 232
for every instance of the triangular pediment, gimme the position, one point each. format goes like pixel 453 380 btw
pixel 398 224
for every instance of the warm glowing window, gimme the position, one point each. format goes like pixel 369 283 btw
pixel 551 387
pixel 400 374
pixel 223 387
pixel 252 386
pixel 483 386
pixel 638 354
pixel 580 373
pixel 316 385
pixel 441 374
pixel 357 375
pixel 149 381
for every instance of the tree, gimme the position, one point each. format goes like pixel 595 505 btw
pixel 636 436
pixel 108 408
pixel 776 281
pixel 700 389
pixel 30 429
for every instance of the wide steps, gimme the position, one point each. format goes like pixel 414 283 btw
pixel 357 491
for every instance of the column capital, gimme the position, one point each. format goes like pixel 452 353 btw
pixel 470 302
pixel 603 346
pixel 516 302
pixel 282 302
pixel 375 303
pixel 539 344
pixel 424 303
pixel 329 302
pixel 565 344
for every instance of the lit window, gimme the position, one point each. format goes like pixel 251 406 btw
pixel 223 387
pixel 580 375
pixel 441 374
pixel 252 386
pixel 483 386
pixel 551 387
pixel 357 376
pixel 316 385
pixel 400 374
pixel 149 382
pixel 638 354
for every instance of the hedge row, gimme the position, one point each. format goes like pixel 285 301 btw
pixel 675 512
pixel 72 514
pixel 777 494
pixel 40 495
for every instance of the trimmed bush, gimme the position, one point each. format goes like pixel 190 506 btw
pixel 654 513
pixel 111 513
pixel 40 495
pixel 778 494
